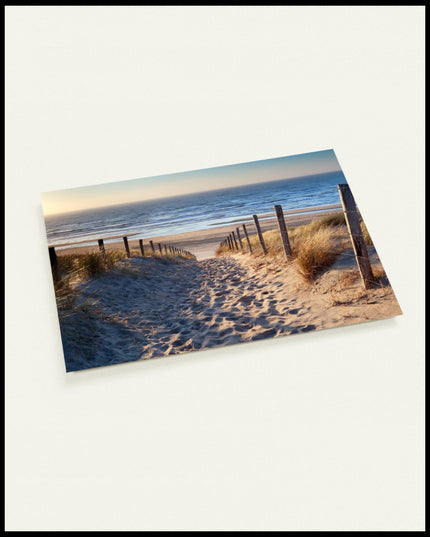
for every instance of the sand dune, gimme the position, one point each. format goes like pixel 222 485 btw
pixel 147 307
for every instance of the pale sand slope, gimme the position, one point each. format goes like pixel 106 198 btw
pixel 145 308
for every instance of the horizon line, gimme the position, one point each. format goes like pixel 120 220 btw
pixel 180 195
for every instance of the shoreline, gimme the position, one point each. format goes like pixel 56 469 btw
pixel 203 243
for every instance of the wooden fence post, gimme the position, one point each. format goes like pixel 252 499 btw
pixel 247 238
pixel 283 231
pixel 159 247
pixel 354 228
pixel 54 264
pixel 260 235
pixel 238 236
pixel 127 249
pixel 141 247
pixel 102 248
pixel 235 241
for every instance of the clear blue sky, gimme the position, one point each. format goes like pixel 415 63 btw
pixel 73 199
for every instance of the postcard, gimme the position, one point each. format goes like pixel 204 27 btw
pixel 167 265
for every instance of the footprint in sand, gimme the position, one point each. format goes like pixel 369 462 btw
pixel 222 292
pixel 225 332
pixel 247 299
pixel 263 335
pixel 307 328
pixel 263 322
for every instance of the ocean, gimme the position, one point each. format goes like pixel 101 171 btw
pixel 206 210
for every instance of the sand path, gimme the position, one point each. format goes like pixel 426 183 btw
pixel 146 307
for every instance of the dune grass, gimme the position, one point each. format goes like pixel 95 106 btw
pixel 93 263
pixel 315 246
pixel 316 252
pixel 75 267
pixel 88 264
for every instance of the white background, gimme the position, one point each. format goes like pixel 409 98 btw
pixel 316 432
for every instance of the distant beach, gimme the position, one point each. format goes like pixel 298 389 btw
pixel 162 218
pixel 203 243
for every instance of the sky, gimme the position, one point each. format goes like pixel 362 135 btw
pixel 176 184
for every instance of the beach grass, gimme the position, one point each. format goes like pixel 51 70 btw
pixel 314 246
pixel 93 263
pixel 75 267
pixel 316 251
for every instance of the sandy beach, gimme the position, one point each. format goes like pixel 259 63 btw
pixel 147 307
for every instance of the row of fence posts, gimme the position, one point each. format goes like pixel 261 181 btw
pixel 236 244
pixel 234 241
pixel 163 249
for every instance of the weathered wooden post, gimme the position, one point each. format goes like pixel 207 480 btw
pixel 165 249
pixel 260 235
pixel 141 247
pixel 234 240
pixel 152 246
pixel 159 247
pixel 127 249
pixel 354 228
pixel 247 238
pixel 102 249
pixel 54 264
pixel 239 238
pixel 283 231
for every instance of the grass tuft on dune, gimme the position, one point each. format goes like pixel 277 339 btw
pixel 94 263
pixel 315 246
pixel 75 267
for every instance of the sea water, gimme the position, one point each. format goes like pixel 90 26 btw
pixel 192 212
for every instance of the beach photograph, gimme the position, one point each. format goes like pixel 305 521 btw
pixel 166 265
pixel 214 268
